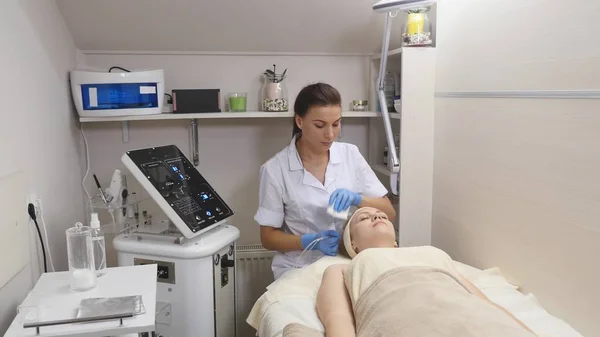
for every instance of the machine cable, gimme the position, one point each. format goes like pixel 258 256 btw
pixel 311 245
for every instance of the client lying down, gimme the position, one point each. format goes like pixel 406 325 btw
pixel 390 291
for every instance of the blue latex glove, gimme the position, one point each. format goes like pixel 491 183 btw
pixel 328 246
pixel 342 199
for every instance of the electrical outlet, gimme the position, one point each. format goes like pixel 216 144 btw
pixel 31 199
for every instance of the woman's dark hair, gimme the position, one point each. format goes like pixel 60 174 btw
pixel 318 94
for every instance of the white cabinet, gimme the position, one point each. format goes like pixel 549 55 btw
pixel 415 125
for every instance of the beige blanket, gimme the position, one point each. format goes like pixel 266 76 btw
pixel 424 302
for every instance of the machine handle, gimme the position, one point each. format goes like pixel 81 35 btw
pixel 226 262
pixel 38 325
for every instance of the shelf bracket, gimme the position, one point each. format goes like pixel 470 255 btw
pixel 125 129
pixel 194 142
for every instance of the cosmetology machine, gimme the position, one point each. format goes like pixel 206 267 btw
pixel 105 94
pixel 195 254
pixel 391 8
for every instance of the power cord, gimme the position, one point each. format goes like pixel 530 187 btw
pixel 40 214
pixel 117 67
pixel 31 211
pixel 170 100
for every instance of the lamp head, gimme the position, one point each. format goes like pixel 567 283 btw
pixel 385 6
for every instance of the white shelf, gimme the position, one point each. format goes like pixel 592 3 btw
pixel 391 52
pixel 381 168
pixel 395 115
pixel 215 115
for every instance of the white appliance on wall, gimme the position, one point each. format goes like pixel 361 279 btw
pixel 106 94
pixel 195 254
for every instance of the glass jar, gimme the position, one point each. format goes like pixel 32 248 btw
pixel 237 101
pixel 359 105
pixel 274 94
pixel 417 30
pixel 80 252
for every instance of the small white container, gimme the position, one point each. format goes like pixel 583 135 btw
pixel 398 105
pixel 359 105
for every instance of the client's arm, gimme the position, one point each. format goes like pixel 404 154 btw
pixel 475 291
pixel 333 304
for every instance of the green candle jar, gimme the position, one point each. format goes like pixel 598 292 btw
pixel 237 101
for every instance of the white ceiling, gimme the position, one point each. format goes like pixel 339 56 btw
pixel 320 26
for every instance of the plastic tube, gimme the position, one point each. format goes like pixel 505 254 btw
pixel 310 246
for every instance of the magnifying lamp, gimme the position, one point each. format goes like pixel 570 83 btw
pixel 390 7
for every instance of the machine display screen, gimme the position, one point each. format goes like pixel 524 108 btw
pixel 182 186
pixel 159 172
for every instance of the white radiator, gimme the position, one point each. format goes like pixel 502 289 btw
pixel 253 275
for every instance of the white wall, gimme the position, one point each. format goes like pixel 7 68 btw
pixel 516 180
pixel 234 25
pixel 231 151
pixel 38 133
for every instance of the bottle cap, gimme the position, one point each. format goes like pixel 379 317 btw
pixel 94 222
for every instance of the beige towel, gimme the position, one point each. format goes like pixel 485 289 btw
pixel 370 264
pixel 424 302
pixel 428 302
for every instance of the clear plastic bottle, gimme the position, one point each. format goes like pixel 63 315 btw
pixel 99 244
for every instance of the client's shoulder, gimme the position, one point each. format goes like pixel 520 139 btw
pixel 425 250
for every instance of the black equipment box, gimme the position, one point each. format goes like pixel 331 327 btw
pixel 196 100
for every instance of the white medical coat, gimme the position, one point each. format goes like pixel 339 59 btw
pixel 292 199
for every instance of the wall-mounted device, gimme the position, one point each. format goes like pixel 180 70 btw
pixel 195 255
pixel 106 94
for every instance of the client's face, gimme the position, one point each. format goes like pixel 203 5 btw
pixel 370 228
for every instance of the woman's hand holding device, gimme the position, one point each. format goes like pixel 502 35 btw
pixel 342 199
pixel 328 242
